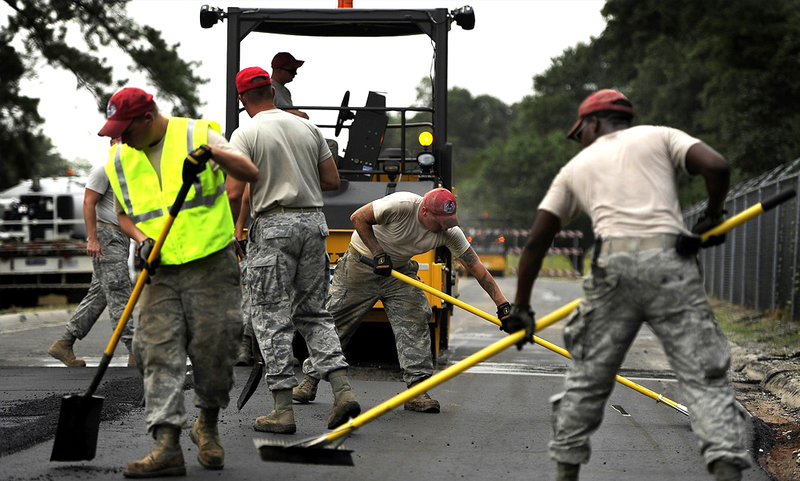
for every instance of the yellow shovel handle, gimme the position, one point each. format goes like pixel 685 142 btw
pixel 137 289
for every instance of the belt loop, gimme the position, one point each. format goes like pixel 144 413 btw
pixel 598 247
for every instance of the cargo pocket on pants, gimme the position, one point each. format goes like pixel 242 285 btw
pixel 264 280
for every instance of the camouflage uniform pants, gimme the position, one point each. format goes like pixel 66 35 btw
pixel 110 286
pixel 353 293
pixel 665 290
pixel 190 309
pixel 287 288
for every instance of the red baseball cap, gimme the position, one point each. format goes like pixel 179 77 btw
pixel 244 79
pixel 606 99
pixel 123 107
pixel 442 204
pixel 286 60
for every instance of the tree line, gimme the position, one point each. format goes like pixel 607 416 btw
pixel 74 35
pixel 721 70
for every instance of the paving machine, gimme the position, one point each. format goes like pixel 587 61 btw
pixel 389 148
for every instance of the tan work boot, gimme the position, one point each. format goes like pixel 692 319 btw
pixel 306 391
pixel 422 403
pixel 205 435
pixel 245 352
pixel 725 471
pixel 567 472
pixel 281 419
pixel 345 405
pixel 131 360
pixel 166 459
pixel 62 350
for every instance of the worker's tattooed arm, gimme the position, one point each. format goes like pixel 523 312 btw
pixel 473 265
pixel 363 219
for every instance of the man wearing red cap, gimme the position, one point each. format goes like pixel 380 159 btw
pixel 192 305
pixel 284 70
pixel 286 249
pixel 391 231
pixel 644 270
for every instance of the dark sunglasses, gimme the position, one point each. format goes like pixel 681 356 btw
pixel 292 71
pixel 579 132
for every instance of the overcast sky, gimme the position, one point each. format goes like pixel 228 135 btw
pixel 511 42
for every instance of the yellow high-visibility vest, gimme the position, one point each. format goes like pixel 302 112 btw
pixel 204 224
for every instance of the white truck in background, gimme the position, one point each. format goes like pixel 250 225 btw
pixel 43 241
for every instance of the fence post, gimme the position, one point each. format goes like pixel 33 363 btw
pixel 795 280
pixel 757 300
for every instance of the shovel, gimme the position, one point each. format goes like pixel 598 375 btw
pixel 254 378
pixel 79 418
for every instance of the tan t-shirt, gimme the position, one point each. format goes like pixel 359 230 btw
pixel 626 182
pixel 402 235
pixel 153 153
pixel 287 150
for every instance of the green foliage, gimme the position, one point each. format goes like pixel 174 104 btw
pixel 472 124
pixel 48 31
pixel 722 71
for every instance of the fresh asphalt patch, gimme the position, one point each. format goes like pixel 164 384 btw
pixel 27 423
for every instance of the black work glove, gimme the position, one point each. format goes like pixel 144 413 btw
pixel 521 317
pixel 503 310
pixel 143 251
pixel 705 223
pixel 382 264
pixel 195 163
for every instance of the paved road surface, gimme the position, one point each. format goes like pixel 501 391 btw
pixel 494 422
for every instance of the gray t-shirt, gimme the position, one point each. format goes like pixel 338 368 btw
pixel 626 182
pixel 402 235
pixel 98 182
pixel 287 151
pixel 282 95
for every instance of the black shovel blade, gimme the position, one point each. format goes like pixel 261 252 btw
pixel 251 385
pixel 291 452
pixel 78 426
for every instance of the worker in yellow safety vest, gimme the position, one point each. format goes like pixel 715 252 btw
pixel 192 305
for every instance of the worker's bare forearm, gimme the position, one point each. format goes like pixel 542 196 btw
pixel 129 228
pixel 363 219
pixel 235 164
pixel 544 230
pixel 711 165
pixel 475 267
pixel 244 214
pixel 235 189
pixel 529 266
pixel 368 237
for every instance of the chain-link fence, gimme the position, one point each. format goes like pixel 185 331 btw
pixel 757 266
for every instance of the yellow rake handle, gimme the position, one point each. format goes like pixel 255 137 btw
pixel 541 324
pixel 749 213
pixel 439 378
